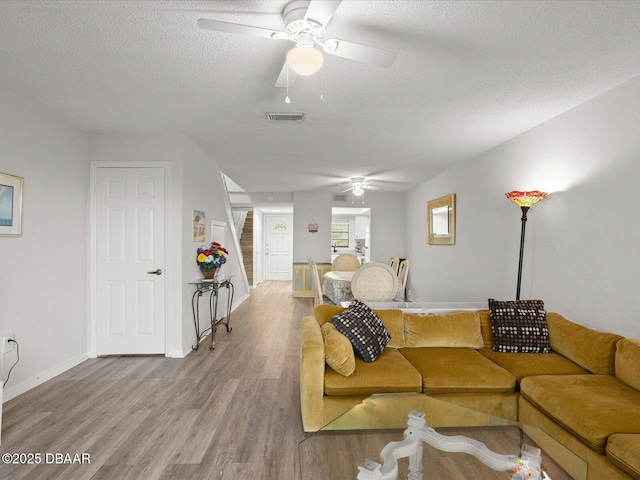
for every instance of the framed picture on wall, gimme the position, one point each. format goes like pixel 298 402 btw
pixel 441 220
pixel 198 226
pixel 10 205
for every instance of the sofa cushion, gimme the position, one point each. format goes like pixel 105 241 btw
pixel 589 348
pixel 390 318
pixel 454 370
pixel 338 351
pixel 364 329
pixel 390 373
pixel 525 364
pixel 592 407
pixel 458 329
pixel 623 450
pixel 628 362
pixel 519 326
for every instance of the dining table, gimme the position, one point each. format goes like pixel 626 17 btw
pixel 336 286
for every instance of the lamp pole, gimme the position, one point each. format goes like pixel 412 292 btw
pixel 522 231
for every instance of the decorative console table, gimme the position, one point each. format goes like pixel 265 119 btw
pixel 212 287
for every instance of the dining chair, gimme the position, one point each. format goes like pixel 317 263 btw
pixel 345 262
pixel 318 298
pixel 403 272
pixel 394 263
pixel 374 282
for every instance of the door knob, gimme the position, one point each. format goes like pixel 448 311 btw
pixel 155 272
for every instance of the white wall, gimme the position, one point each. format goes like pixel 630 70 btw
pixel 43 273
pixel 387 225
pixel 308 206
pixel 582 251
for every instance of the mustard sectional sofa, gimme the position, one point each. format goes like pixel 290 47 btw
pixel 583 397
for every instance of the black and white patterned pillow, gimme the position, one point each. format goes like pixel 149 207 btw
pixel 364 330
pixel 519 326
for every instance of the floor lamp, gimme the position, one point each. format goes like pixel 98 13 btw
pixel 525 200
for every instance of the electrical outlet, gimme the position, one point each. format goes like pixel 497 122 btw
pixel 5 345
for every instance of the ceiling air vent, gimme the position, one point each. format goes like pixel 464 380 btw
pixel 340 198
pixel 285 117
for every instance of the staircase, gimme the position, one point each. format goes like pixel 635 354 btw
pixel 246 245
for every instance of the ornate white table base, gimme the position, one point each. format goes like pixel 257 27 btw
pixel 526 466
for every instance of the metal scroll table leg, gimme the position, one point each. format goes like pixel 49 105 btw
pixel 195 307
pixel 213 310
pixel 230 293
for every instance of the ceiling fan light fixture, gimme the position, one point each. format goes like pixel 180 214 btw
pixel 304 60
pixel 358 191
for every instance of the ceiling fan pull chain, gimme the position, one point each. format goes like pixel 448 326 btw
pixel 287 99
pixel 322 83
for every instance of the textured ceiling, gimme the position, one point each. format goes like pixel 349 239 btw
pixel 468 76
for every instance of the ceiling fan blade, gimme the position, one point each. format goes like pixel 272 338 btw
pixel 322 10
pixel 218 26
pixel 362 53
pixel 282 78
pixel 347 190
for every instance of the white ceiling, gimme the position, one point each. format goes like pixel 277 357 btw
pixel 468 76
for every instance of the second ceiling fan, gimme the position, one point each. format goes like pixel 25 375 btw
pixel 305 24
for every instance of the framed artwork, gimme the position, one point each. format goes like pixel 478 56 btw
pixel 198 226
pixel 10 205
pixel 441 220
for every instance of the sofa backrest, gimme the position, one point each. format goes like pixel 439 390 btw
pixel 591 349
pixel 485 325
pixel 628 362
pixel 462 329
pixel 448 330
pixel 390 318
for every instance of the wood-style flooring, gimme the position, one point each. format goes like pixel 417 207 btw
pixel 230 413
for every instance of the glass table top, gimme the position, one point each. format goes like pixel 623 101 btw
pixel 346 447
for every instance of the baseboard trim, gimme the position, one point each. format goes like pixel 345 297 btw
pixel 29 383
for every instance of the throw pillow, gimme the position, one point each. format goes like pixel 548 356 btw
pixel 364 330
pixel 338 352
pixel 519 326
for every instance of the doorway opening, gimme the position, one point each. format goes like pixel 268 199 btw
pixel 350 227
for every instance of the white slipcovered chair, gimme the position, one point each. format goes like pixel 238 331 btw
pixel 345 262
pixel 403 272
pixel 318 298
pixel 394 263
pixel 374 282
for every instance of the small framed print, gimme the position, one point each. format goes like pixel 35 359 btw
pixel 10 205
pixel 198 226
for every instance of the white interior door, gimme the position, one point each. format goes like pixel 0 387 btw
pixel 278 246
pixel 130 258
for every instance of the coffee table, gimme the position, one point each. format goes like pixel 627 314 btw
pixel 353 446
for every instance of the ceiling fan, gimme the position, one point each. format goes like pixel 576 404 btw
pixel 305 24
pixel 358 186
